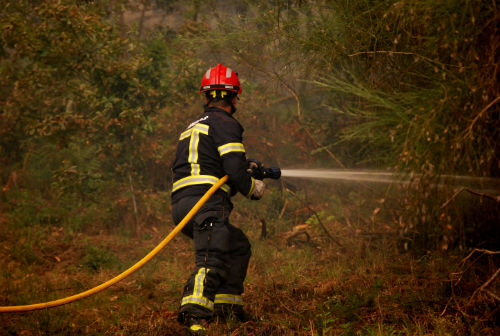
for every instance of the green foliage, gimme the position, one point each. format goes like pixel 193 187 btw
pixel 348 309
pixel 99 258
pixel 83 106
pixel 23 252
pixel 405 91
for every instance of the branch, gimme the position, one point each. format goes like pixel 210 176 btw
pixel 294 94
pixel 491 197
pixel 299 119
pixel 296 234
pixel 451 198
pixel 323 227
pixel 493 295
pixel 324 148
pixel 282 212
pixel 473 192
pixel 480 114
pixel 487 251
pixel 486 284
pixel 478 250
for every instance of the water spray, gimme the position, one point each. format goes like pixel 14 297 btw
pixel 260 172
pixel 480 183
pixel 346 175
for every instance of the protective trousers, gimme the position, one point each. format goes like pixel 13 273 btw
pixel 222 253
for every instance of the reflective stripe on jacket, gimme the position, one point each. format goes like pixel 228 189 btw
pixel 211 147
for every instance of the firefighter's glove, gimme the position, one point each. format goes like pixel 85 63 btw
pixel 258 190
pixel 254 168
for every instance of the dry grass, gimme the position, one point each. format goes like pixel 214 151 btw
pixel 303 286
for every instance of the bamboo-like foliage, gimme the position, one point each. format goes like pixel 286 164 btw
pixel 405 85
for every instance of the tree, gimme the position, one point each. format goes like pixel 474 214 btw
pixel 82 105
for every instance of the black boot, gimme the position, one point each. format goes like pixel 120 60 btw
pixel 194 325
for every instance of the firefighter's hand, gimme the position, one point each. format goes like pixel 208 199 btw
pixel 258 190
pixel 252 165
pixel 254 168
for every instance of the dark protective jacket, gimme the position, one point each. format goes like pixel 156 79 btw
pixel 208 149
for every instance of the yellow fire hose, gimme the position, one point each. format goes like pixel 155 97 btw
pixel 138 265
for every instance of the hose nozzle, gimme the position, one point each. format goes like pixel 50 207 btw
pixel 272 173
pixel 259 172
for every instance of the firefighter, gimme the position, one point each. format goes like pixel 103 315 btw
pixel 210 148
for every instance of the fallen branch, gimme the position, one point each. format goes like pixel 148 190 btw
pixel 457 278
pixel 323 227
pixel 486 284
pixel 289 240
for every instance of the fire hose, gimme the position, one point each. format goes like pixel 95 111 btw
pixel 256 169
pixel 123 275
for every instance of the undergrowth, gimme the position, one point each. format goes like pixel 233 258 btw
pixel 345 276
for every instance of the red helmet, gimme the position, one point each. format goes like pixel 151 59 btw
pixel 220 78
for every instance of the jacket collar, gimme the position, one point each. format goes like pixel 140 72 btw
pixel 217 109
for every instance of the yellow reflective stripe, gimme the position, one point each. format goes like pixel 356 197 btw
pixel 193 147
pixel 186 134
pixel 198 179
pixel 194 134
pixel 204 302
pixel 197 327
pixel 252 187
pixel 231 147
pixel 193 152
pixel 199 281
pixel 197 297
pixel 202 128
pixel 229 299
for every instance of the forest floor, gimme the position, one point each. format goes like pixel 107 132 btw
pixel 299 283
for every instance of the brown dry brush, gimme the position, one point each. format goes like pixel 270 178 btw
pixel 475 288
